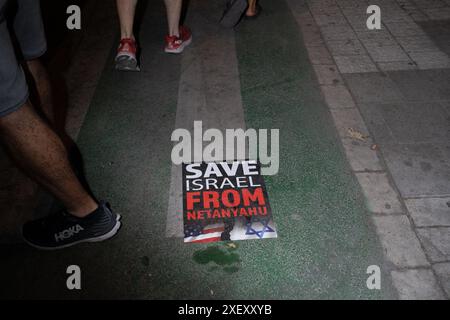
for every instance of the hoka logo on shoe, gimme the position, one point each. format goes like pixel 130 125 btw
pixel 68 232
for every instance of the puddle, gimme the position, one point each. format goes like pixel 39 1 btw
pixel 221 257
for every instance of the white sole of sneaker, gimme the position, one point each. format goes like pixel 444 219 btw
pixel 125 54
pixel 126 63
pixel 181 48
pixel 103 237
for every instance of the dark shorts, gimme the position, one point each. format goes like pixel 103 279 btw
pixel 27 28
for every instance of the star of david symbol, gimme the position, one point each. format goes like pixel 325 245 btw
pixel 259 233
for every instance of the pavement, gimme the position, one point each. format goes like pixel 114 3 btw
pixel 391 86
pixel 364 179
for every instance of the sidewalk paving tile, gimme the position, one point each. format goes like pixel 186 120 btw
pixel 417 285
pixel 327 74
pixel 421 169
pixel 346 47
pixel 443 272
pixel 361 156
pixel 436 242
pixel 399 241
pixel 346 119
pixel 381 197
pixel 372 87
pixel 429 212
pixel 397 65
pixel 355 64
pixel 407 122
pixel 337 96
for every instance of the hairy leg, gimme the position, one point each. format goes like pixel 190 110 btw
pixel 43 87
pixel 40 153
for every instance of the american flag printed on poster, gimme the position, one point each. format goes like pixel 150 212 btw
pixel 210 233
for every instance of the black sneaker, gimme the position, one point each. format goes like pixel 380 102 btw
pixel 63 230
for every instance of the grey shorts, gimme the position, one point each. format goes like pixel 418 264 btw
pixel 27 28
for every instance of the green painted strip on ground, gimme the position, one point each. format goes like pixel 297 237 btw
pixel 325 239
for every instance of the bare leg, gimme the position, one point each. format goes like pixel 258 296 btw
pixel 173 8
pixel 251 10
pixel 46 101
pixel 39 151
pixel 43 86
pixel 126 10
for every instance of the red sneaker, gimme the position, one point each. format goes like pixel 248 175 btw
pixel 176 44
pixel 126 55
